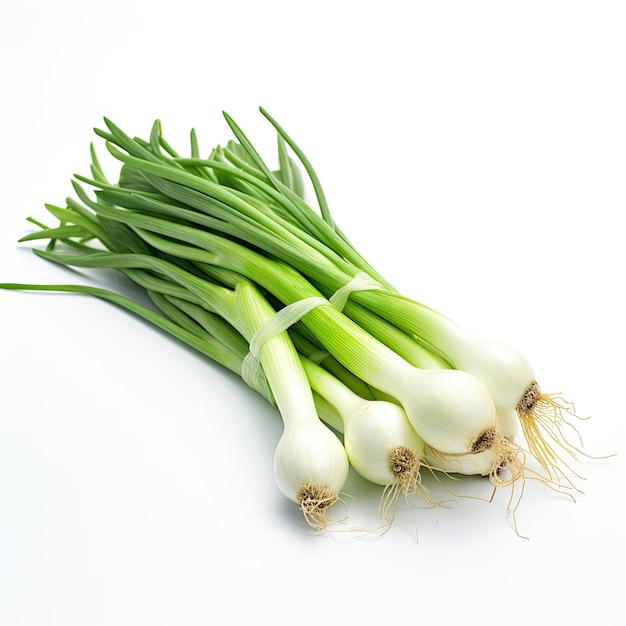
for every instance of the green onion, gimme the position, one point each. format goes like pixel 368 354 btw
pixel 241 268
pixel 310 464
pixel 379 440
pixel 450 409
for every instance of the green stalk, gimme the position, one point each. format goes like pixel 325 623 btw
pixel 308 349
pixel 411 318
pixel 192 188
pixel 278 357
pixel 215 298
pixel 429 329
pixel 196 338
pixel 357 350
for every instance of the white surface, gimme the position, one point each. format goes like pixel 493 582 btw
pixel 474 151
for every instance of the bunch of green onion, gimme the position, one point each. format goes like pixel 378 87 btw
pixel 241 268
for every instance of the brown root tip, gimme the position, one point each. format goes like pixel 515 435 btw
pixel 404 466
pixel 508 458
pixel 543 421
pixel 315 500
pixel 529 399
pixel 484 441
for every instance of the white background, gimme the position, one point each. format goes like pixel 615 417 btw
pixel 475 152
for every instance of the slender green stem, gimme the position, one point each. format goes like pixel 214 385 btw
pixel 200 340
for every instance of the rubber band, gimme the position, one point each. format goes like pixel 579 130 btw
pixel 255 377
pixel 251 370
pixel 361 282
